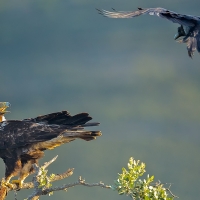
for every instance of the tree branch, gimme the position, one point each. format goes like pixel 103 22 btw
pixel 81 181
pixel 46 164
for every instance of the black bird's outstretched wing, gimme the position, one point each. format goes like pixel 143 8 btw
pixel 189 29
pixel 185 20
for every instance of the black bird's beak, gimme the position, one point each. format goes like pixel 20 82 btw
pixel 176 36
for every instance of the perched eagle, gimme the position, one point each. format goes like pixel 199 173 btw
pixel 189 29
pixel 22 142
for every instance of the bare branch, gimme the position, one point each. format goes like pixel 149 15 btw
pixel 70 185
pixel 66 174
pixel 46 164
pixel 171 192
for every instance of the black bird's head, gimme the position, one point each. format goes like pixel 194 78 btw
pixel 181 32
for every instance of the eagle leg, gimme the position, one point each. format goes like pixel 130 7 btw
pixel 21 179
pixel 25 171
pixel 13 166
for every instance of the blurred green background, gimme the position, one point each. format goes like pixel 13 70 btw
pixel 129 74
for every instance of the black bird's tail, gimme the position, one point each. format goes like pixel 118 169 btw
pixel 191 46
pixel 193 42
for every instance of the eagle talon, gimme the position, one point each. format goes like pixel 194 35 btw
pixel 18 182
pixel 7 185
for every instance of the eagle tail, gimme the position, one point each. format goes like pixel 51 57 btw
pixel 65 137
pixel 83 134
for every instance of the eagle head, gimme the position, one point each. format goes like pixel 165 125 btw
pixel 3 107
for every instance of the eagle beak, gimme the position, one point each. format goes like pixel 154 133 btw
pixel 4 106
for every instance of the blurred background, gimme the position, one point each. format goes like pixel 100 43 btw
pixel 129 74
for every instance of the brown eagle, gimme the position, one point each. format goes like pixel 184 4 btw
pixel 23 142
pixel 189 29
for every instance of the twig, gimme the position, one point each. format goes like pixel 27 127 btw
pixel 46 164
pixel 15 193
pixel 66 174
pixel 168 189
pixel 66 186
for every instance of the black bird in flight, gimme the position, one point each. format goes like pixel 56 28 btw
pixel 189 29
pixel 23 142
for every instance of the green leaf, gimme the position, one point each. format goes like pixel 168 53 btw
pixel 130 184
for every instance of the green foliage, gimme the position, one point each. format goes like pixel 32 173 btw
pixel 45 180
pixel 128 183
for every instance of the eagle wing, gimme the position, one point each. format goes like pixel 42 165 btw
pixel 61 125
pixel 64 118
pixel 16 133
pixel 185 20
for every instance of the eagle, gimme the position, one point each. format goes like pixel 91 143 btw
pixel 23 142
pixel 188 32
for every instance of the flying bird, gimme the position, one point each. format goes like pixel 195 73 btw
pixel 189 29
pixel 23 142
